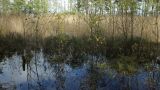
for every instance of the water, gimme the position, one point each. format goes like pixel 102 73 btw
pixel 39 74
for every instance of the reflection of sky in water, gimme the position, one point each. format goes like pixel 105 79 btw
pixel 13 74
pixel 43 75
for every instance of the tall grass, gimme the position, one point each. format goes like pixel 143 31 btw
pixel 80 25
pixel 89 30
pixel 107 35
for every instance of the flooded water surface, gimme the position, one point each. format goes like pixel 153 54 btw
pixel 37 72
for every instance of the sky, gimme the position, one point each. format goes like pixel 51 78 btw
pixel 58 5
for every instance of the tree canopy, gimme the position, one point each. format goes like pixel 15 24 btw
pixel 81 6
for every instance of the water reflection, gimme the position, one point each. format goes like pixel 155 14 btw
pixel 34 71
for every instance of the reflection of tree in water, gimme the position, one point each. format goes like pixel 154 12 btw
pixel 36 76
pixel 1 73
pixel 124 83
pixel 33 76
pixel 1 57
pixel 1 70
pixel 139 81
pixel 59 75
pixel 91 81
pixel 153 80
pixel 1 88
pixel 39 71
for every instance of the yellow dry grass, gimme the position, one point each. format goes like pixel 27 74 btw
pixel 75 25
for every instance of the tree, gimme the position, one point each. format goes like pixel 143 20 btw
pixel 79 5
pixel 19 6
pixel 40 6
pixel 5 6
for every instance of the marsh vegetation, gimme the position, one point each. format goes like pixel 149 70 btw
pixel 114 39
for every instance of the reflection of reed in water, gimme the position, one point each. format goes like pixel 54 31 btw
pixel 60 78
pixel 33 74
pixel 23 62
pixel 91 80
pixel 1 71
pixel 26 58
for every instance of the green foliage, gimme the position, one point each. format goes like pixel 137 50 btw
pixel 18 5
pixel 102 66
pixel 5 5
pixel 125 65
pixel 40 6
pixel 82 6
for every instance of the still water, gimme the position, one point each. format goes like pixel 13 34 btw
pixel 40 74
